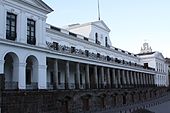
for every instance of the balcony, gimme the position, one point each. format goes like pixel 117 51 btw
pixel 95 56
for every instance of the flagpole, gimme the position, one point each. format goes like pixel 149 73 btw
pixel 98 10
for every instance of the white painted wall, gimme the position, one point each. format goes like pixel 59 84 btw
pixel 43 34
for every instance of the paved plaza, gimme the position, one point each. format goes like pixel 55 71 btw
pixel 157 105
pixel 161 108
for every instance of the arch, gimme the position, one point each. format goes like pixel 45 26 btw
pixel 113 97
pixel 86 102
pixel 11 70
pixel 31 72
pixel 124 96
pixel 102 100
pixel 66 104
pixel 132 96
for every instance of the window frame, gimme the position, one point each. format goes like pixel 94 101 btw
pixel 11 30
pixel 31 31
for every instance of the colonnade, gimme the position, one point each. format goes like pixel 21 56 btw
pixel 105 77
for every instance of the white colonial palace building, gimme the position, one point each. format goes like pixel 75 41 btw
pixel 36 55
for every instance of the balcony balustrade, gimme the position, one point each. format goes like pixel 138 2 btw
pixel 33 85
pixel 11 85
pixel 100 86
pixel 85 53
pixel 50 85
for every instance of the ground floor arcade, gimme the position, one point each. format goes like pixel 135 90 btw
pixel 65 74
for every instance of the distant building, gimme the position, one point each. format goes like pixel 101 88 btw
pixel 157 61
pixel 168 62
pixel 46 69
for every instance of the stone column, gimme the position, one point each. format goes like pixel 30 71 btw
pixel 95 77
pixel 149 77
pixel 56 73
pixel 141 79
pixel 108 78
pixel 124 77
pixel 77 84
pixel 22 76
pixel 102 77
pixel 127 76
pixel 135 79
pixel 131 77
pixel 138 79
pixel 146 77
pixel 114 82
pixel 150 82
pixel 87 80
pixel 144 80
pixel 67 76
pixel 153 80
pixel 119 77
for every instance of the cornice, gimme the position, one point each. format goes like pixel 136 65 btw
pixel 28 5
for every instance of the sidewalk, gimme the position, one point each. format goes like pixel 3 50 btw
pixel 158 105
pixel 161 108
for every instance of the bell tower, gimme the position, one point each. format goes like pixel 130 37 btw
pixel 146 48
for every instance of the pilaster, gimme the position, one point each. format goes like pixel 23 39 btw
pixel 22 76
pixel 23 28
pixel 2 21
pixel 2 66
pixel 42 78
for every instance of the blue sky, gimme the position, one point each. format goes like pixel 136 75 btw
pixel 132 22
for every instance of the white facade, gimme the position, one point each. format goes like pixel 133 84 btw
pixel 60 55
pixel 157 61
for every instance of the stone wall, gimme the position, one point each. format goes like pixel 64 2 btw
pixel 69 101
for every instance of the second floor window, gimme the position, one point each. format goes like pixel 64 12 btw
pixel 31 32
pixel 11 26
pixel 106 43
pixel 96 39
